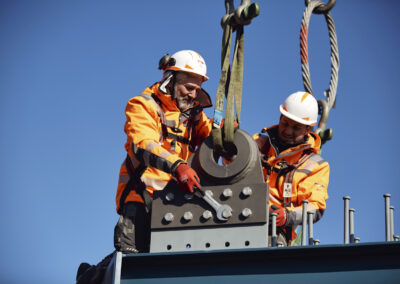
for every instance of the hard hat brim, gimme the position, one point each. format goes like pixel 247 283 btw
pixel 204 99
pixel 295 118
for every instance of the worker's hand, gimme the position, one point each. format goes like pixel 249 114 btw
pixel 187 178
pixel 280 218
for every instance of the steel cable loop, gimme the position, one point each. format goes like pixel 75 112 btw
pixel 322 9
pixel 331 92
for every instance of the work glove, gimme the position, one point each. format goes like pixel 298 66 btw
pixel 187 178
pixel 235 124
pixel 280 218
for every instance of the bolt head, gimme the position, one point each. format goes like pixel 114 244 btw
pixel 247 191
pixel 207 214
pixel 188 216
pixel 227 192
pixel 169 217
pixel 227 213
pixel 246 212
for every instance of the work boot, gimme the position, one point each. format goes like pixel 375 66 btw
pixel 81 269
pixel 93 274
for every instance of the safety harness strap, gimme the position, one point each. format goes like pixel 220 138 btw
pixel 285 169
pixel 135 183
pixel 171 124
pixel 288 183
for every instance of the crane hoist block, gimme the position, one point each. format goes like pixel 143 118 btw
pixel 182 222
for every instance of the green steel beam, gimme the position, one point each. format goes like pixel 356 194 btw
pixel 351 263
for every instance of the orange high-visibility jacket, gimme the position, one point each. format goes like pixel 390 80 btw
pixel 159 136
pixel 309 180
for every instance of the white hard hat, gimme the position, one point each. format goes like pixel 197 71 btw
pixel 187 61
pixel 301 107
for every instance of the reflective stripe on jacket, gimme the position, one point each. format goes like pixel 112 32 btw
pixel 146 143
pixel 310 179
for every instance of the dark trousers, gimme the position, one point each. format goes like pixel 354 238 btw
pixel 132 232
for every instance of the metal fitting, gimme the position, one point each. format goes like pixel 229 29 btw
pixel 247 191
pixel 169 217
pixel 323 8
pixel 207 214
pixel 227 213
pixel 246 212
pixel 187 216
pixel 227 192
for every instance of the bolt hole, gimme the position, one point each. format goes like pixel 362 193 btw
pixel 188 246
pixel 227 244
pixel 169 247
pixel 246 243
pixel 208 245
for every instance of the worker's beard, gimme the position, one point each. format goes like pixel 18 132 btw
pixel 184 103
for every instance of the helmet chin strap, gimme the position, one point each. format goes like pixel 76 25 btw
pixel 168 76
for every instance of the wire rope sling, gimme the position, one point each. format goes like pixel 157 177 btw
pixel 230 84
pixel 318 7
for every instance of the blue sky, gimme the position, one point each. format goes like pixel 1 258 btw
pixel 67 69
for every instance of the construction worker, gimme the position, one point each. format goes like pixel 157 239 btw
pixel 163 125
pixel 293 169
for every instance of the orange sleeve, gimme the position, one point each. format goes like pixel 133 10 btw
pixel 143 129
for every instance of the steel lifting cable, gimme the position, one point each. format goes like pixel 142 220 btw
pixel 230 84
pixel 325 106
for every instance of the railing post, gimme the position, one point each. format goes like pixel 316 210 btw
pixel 310 228
pixel 351 224
pixel 304 223
pixel 346 219
pixel 392 223
pixel 387 216
pixel 273 234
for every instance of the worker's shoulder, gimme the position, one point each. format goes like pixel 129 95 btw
pixel 317 158
pixel 145 98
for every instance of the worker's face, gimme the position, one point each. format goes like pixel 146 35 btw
pixel 292 132
pixel 186 89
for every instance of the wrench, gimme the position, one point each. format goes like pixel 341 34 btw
pixel 223 211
